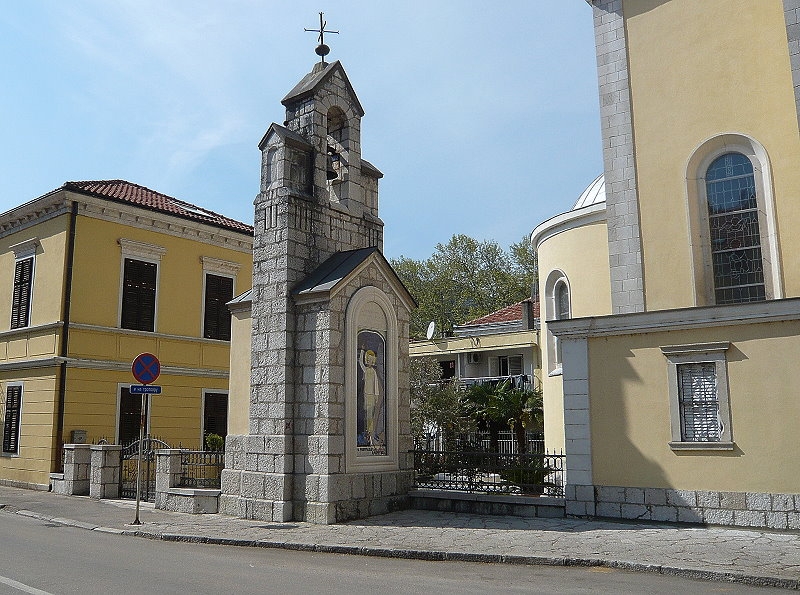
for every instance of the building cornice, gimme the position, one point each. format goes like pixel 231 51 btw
pixel 132 216
pixel 147 334
pixel 678 319
pixel 30 330
pixel 58 202
pixel 32 213
pixel 566 221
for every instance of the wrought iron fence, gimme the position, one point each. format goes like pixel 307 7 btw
pixel 201 468
pixel 490 472
pixel 130 465
pixel 482 441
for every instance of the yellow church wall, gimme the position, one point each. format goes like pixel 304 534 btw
pixel 31 468
pixel 581 253
pixel 630 412
pixel 239 381
pixel 699 70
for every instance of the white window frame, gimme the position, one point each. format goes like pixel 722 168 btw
pixel 3 414
pixel 203 411
pixel 149 405
pixel 24 251
pixel 694 354
pixel 220 268
pixel 555 279
pixel 136 250
pixel 495 362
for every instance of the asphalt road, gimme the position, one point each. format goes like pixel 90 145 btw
pixel 37 557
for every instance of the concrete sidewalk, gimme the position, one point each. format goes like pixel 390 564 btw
pixel 747 556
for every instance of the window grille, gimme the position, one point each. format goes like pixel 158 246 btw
pixel 699 402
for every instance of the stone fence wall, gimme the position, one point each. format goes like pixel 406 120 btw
pixel 95 470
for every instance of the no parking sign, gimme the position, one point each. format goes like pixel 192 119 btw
pixel 146 368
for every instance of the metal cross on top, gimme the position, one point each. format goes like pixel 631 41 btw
pixel 322 49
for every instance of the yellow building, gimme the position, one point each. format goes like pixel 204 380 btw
pixel 94 274
pixel 672 303
pixel 499 346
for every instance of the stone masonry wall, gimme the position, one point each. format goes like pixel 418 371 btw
pixel 616 124
pixel 741 509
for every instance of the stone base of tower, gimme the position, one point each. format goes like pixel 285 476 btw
pixel 310 497
pixel 257 482
pixel 344 497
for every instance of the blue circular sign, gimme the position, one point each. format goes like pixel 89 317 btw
pixel 146 368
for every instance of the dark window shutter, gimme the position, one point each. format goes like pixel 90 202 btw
pixel 21 302
pixel 12 419
pixel 130 416
pixel 139 295
pixel 215 414
pixel 217 318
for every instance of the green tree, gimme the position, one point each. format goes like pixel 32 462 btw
pixel 465 279
pixel 502 406
pixel 435 405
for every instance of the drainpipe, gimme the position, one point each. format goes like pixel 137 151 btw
pixel 63 351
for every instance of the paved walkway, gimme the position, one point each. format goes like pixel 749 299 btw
pixel 748 556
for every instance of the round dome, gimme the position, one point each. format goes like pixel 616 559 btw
pixel 595 193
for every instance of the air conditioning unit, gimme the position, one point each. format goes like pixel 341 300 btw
pixel 474 357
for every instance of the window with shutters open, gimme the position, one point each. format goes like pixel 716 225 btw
pixel 698 386
pixel 21 299
pixel 12 414
pixel 216 316
pixel 139 295
pixel 505 365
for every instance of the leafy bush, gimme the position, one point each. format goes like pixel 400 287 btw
pixel 215 442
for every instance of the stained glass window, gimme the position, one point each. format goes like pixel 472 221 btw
pixel 734 232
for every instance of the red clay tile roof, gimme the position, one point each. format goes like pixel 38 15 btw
pixel 507 314
pixel 122 191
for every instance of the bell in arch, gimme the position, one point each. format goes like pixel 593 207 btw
pixel 330 170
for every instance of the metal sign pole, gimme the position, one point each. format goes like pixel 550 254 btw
pixel 139 461
pixel 145 368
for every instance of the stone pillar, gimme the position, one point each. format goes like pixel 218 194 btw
pixel 168 472
pixel 106 467
pixel 619 161
pixel 76 471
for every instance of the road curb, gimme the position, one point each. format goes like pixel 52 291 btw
pixel 431 555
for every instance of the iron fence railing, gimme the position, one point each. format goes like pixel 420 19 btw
pixel 489 472
pixel 482 441
pixel 201 469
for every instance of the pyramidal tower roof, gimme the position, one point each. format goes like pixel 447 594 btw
pixel 321 72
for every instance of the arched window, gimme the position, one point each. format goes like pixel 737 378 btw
pixel 562 300
pixel 733 232
pixel 737 263
pixel 562 309
pixel 557 307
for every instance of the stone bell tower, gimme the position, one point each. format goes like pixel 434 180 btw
pixel 319 283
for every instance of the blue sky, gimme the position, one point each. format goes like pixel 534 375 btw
pixel 482 116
